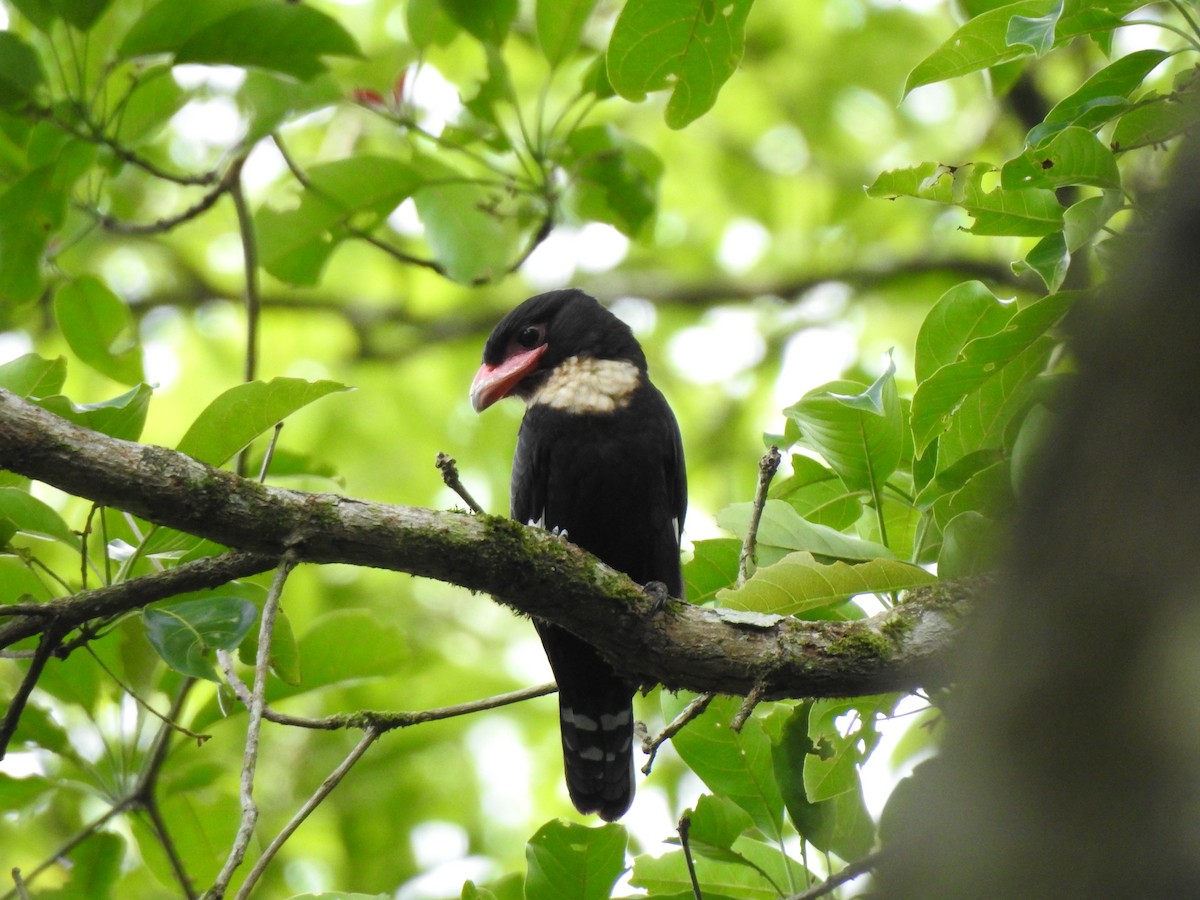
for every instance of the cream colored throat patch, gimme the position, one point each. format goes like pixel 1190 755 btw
pixel 586 385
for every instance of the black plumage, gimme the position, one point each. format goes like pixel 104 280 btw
pixel 599 457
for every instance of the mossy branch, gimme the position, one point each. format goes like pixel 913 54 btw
pixel 681 647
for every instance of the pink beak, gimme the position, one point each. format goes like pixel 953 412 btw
pixel 492 383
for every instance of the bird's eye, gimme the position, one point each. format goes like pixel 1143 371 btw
pixel 530 336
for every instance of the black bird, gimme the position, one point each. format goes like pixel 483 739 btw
pixel 598 457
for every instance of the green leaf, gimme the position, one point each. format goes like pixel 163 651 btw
pixel 783 529
pixel 965 312
pixel 31 211
pixel 428 24
pixel 25 513
pixel 799 582
pixel 560 26
pixel 121 417
pixel 33 376
pixel 188 633
pixel 1049 258
pixel 860 434
pixel 40 12
pixel 487 20
pixel 818 494
pixel 1154 121
pixel 1022 213
pixel 81 13
pixel 150 106
pixel 99 329
pixel 751 870
pixel 230 32
pixel 613 180
pixel 284 656
pixel 688 46
pixel 242 413
pixel 20 71
pixel 986 40
pixel 1035 32
pixel 359 191
pixel 841 825
pixel 713 566
pixel 1073 156
pixel 980 360
pixel 983 419
pixel 465 235
pixel 572 862
pixel 971 545
pixel 1083 220
pixel 736 766
pixel 717 822
pixel 1100 98
pixel 379 649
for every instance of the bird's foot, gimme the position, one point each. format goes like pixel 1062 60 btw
pixel 658 594
pixel 560 533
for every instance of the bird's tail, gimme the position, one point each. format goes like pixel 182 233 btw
pixel 596 714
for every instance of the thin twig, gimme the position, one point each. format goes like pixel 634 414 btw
pixel 752 700
pixel 250 276
pixel 693 710
pixel 51 638
pixel 449 468
pixel 22 893
pixel 187 732
pixel 767 467
pixel 837 879
pixel 250 756
pixel 334 778
pixel 165 224
pixel 270 454
pixel 381 720
pixel 684 826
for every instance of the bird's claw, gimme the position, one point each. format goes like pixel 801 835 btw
pixel 560 533
pixel 658 594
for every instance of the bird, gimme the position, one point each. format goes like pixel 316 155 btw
pixel 598 460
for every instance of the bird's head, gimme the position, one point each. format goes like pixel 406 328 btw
pixel 535 340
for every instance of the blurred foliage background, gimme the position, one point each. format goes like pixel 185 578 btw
pixel 742 248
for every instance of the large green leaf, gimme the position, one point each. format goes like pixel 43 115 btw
pixel 20 71
pixel 573 862
pixel 19 511
pixel 688 46
pixel 231 32
pixel 841 825
pixel 121 417
pixel 713 566
pixel 1049 260
pixel 81 13
pixel 359 191
pixel 980 360
pixel 188 633
pixel 1073 156
pixel 487 20
pixel 1028 212
pixel 31 210
pixel 965 312
pixel 858 431
pixel 818 494
pixel 33 376
pixel 465 234
pixel 752 870
pixel 613 179
pixel 990 39
pixel 560 25
pixel 734 765
pixel 782 530
pixel 1100 98
pixel 242 413
pixel 99 329
pixel 799 582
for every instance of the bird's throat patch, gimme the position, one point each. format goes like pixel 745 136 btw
pixel 585 385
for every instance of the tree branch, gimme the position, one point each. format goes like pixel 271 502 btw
pixel 681 647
